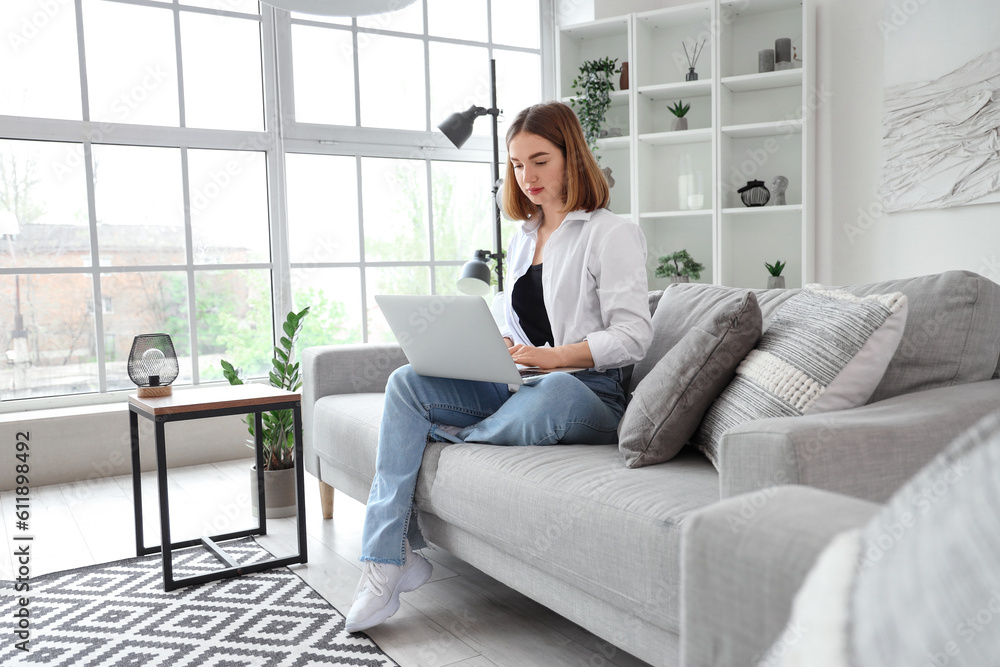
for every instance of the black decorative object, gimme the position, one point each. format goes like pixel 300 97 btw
pixel 754 193
pixel 692 59
pixel 152 364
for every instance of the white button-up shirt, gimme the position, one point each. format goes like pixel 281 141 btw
pixel 594 285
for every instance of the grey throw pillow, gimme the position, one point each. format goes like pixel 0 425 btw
pixel 668 404
pixel 825 350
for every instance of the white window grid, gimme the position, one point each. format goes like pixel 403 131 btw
pixel 282 135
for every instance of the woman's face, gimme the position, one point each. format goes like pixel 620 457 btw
pixel 540 169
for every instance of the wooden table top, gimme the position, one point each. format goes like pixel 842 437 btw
pixel 214 398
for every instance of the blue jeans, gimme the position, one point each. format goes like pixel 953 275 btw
pixel 582 408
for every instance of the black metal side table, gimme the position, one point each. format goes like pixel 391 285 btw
pixel 198 404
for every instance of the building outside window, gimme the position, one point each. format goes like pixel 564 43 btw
pixel 200 167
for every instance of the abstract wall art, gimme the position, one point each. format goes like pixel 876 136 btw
pixel 941 110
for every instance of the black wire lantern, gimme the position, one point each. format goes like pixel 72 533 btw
pixel 152 364
pixel 754 193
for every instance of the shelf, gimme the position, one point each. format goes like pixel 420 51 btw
pixel 744 125
pixel 672 16
pixel 702 212
pixel 611 27
pixel 763 81
pixel 769 129
pixel 759 211
pixel 613 142
pixel 670 91
pixel 742 7
pixel 696 136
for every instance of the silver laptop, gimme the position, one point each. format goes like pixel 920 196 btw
pixel 453 337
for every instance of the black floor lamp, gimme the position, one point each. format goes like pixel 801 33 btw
pixel 475 276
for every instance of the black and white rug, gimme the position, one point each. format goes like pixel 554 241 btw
pixel 118 615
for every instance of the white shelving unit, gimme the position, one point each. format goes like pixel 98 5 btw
pixel 743 125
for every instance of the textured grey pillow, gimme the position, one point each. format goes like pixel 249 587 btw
pixel 668 404
pixel 824 350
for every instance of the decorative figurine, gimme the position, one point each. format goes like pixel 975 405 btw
pixel 778 187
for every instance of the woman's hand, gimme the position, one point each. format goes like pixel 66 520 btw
pixel 576 355
pixel 542 357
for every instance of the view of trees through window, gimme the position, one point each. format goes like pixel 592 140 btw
pixel 201 167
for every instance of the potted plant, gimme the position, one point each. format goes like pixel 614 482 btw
pixel 593 96
pixel 679 109
pixel 775 280
pixel 277 432
pixel 680 267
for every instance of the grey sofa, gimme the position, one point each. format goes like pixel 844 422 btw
pixel 571 527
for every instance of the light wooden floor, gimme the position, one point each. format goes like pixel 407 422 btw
pixel 460 618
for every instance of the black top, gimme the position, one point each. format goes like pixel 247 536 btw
pixel 526 299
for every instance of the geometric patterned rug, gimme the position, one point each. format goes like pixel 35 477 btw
pixel 118 615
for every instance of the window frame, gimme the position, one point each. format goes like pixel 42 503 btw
pixel 282 134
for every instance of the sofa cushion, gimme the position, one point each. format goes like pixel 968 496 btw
pixel 576 513
pixel 687 305
pixel 668 404
pixel 824 350
pixel 952 333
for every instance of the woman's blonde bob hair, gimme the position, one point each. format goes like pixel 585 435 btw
pixel 586 187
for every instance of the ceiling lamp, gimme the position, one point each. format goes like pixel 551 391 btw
pixel 340 7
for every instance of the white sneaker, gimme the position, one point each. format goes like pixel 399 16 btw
pixel 377 595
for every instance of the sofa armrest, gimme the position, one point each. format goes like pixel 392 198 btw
pixel 343 369
pixel 742 561
pixel 866 452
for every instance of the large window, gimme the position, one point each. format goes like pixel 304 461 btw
pixel 200 167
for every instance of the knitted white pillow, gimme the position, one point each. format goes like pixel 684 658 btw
pixel 824 350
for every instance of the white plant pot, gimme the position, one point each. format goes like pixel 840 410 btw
pixel 279 492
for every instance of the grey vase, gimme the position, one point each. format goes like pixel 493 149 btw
pixel 776 282
pixel 680 124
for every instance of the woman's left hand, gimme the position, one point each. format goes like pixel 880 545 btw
pixel 575 355
pixel 542 357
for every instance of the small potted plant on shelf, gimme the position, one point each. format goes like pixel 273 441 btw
pixel 592 99
pixel 679 109
pixel 680 267
pixel 277 432
pixel 775 280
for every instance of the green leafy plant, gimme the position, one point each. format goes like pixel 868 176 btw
pixel 776 268
pixel 679 263
pixel 593 96
pixel 278 434
pixel 679 108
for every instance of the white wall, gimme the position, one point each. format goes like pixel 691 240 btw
pixel 853 246
pixel 78 444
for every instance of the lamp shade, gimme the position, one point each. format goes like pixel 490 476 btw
pixel 340 7
pixel 475 276
pixel 458 126
pixel 152 364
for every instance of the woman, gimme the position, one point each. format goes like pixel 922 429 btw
pixel 578 298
